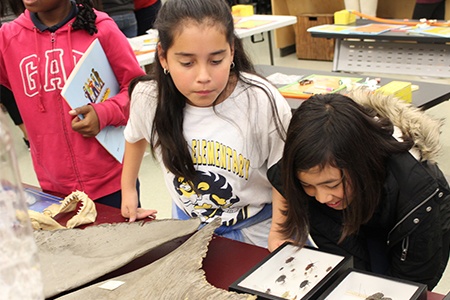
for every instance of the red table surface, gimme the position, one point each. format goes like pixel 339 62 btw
pixel 226 260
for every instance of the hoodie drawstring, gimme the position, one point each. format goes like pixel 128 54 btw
pixel 72 60
pixel 38 77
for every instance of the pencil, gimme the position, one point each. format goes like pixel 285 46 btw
pixel 295 96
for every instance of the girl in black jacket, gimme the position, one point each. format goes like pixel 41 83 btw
pixel 359 180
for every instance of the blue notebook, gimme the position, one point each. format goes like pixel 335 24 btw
pixel 93 81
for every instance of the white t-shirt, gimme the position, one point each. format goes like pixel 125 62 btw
pixel 232 146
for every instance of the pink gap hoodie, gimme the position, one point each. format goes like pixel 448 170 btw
pixel 35 66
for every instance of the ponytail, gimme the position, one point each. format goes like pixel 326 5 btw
pixel 86 17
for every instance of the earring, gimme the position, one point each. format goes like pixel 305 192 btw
pixel 166 72
pixel 232 65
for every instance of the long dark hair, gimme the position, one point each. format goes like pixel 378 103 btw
pixel 334 130
pixel 86 17
pixel 167 131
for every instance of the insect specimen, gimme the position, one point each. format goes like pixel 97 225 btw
pixel 310 266
pixel 329 268
pixel 285 294
pixel 281 279
pixel 289 259
pixel 377 296
pixel 304 283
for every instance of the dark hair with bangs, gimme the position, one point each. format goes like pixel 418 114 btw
pixel 167 131
pixel 334 130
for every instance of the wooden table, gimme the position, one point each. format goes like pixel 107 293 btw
pixel 225 262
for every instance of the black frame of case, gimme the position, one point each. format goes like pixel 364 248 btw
pixel 318 289
pixel 420 294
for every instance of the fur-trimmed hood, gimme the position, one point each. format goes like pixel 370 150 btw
pixel 423 129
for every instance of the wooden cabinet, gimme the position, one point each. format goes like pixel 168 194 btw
pixel 285 37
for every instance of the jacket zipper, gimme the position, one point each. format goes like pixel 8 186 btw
pixel 72 155
pixel 405 245
pixel 412 211
pixel 405 242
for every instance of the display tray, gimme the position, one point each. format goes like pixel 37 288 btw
pixel 356 285
pixel 291 272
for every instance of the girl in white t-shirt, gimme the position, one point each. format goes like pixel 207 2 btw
pixel 214 125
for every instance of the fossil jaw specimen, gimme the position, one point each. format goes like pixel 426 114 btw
pixel 72 258
pixel 86 213
pixel 178 275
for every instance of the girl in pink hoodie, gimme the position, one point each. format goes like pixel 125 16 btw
pixel 38 51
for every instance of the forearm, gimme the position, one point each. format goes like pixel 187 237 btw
pixel 278 206
pixel 276 238
pixel 134 152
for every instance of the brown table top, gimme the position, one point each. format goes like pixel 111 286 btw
pixel 219 272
